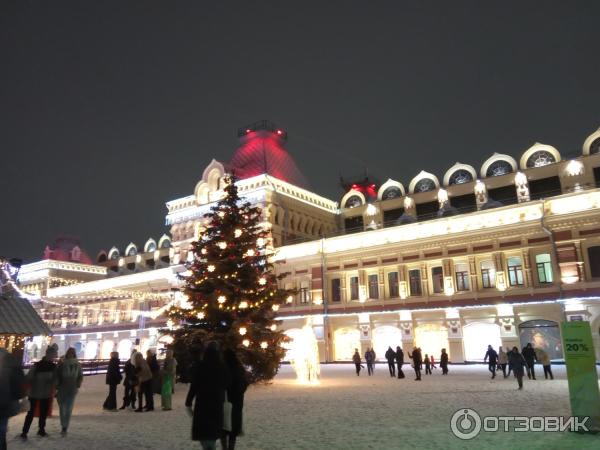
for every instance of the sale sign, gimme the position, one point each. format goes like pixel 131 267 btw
pixel 581 371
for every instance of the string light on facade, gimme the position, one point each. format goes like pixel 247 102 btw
pixel 246 343
pixel 264 345
pixel 243 304
pixel 237 233
pixel 200 315
pixel 243 330
pixel 221 299
pixel 222 245
pixel 275 308
pixel 211 268
pixel 262 281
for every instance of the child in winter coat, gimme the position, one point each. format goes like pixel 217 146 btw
pixel 427 365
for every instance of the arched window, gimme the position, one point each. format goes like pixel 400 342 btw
pixel 132 251
pixel 540 158
pixel 391 192
pixel 353 201
pixel 460 176
pixel 498 168
pixel 166 243
pixel 151 246
pixel 425 185
pixel 595 147
pixel 114 254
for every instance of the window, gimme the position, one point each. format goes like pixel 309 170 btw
pixel 424 185
pixel 460 176
pixel 462 277
pixel 540 158
pixel 437 279
pixel 373 286
pixel 414 277
pixel 515 271
pixel 594 261
pixel 393 284
pixel 353 288
pixel 391 192
pixel 304 292
pixel 336 290
pixel 488 274
pixel 543 263
pixel 353 201
pixel 498 168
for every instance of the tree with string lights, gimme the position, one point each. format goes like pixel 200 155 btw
pixel 231 293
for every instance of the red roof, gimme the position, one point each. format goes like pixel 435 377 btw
pixel 68 249
pixel 262 152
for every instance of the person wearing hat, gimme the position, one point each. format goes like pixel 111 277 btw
pixel 42 383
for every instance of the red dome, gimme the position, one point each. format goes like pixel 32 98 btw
pixel 67 249
pixel 262 151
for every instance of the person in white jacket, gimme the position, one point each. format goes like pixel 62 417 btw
pixel 502 360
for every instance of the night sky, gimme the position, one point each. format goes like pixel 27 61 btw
pixel 109 109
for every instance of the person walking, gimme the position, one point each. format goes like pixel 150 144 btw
pixel 427 365
pixel 357 361
pixel 502 360
pixel 417 362
pixel 370 360
pixel 390 356
pixel 235 395
pixel 129 383
pixel 209 383
pixel 144 386
pixel 544 359
pixel 69 377
pixel 12 389
pixel 492 358
pixel 529 355
pixel 168 380
pixel 444 362
pixel 399 361
pixel 518 364
pixel 113 379
pixel 432 361
pixel 42 381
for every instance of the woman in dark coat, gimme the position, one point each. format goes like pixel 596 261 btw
pixel 518 364
pixel 209 381
pixel 399 361
pixel 444 362
pixel 235 395
pixel 417 361
pixel 113 378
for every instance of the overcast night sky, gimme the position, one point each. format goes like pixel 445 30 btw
pixel 109 109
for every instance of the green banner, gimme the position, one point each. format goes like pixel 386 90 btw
pixel 581 372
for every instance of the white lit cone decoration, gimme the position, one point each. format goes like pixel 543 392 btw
pixel 237 233
pixel 222 245
pixel 221 299
pixel 264 345
pixel 275 308
pixel 211 268
pixel 246 343
pixel 243 330
pixel 262 281
pixel 243 304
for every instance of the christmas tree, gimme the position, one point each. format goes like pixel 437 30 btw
pixel 231 292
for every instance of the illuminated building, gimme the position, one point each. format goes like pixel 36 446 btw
pixel 498 255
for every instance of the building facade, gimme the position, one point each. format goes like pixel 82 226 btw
pixel 499 255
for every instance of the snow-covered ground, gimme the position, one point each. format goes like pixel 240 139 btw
pixel 343 412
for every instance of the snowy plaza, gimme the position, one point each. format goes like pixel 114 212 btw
pixel 342 412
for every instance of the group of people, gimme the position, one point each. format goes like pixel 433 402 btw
pixel 144 377
pixel 518 363
pixel 395 360
pixel 215 399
